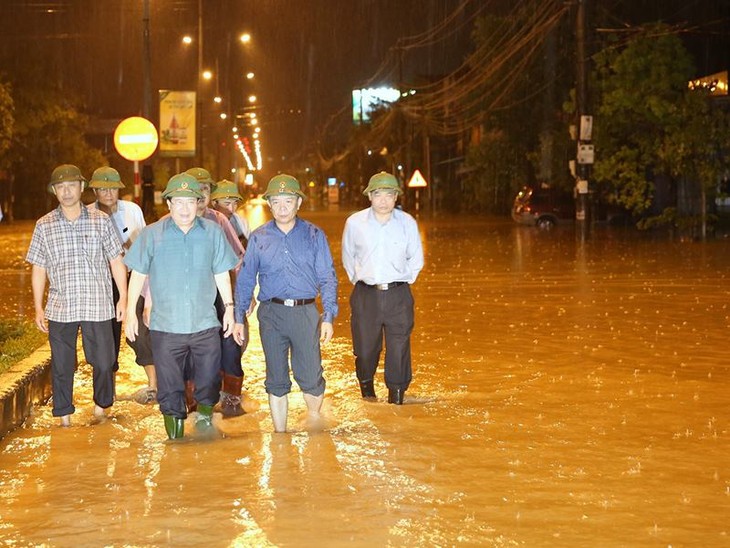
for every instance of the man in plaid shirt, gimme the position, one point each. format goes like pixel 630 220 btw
pixel 74 248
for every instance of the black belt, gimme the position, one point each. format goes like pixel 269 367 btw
pixel 293 302
pixel 383 287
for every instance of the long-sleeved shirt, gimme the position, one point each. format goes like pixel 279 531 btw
pixel 181 269
pixel 376 253
pixel 296 265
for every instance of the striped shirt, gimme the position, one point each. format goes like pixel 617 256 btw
pixel 76 255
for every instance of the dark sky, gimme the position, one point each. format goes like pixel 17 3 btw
pixel 307 54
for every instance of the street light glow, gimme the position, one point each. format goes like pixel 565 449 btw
pixel 187 40
pixel 251 98
pixel 250 75
pixel 207 74
pixel 245 38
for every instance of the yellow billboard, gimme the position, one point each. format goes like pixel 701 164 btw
pixel 177 123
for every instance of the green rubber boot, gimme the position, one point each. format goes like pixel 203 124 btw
pixel 204 422
pixel 174 427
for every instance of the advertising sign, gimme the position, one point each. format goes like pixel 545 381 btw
pixel 177 123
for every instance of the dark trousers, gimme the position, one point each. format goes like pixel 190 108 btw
pixel 230 352
pixel 97 340
pixel 171 352
pixel 142 346
pixel 377 314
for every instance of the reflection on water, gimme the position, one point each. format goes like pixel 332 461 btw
pixel 565 393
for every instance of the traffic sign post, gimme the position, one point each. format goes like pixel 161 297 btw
pixel 136 140
pixel 417 181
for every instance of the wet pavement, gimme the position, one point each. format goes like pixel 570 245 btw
pixel 565 393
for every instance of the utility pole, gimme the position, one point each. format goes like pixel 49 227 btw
pixel 583 123
pixel 148 188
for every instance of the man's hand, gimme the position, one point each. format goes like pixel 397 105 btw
pixel 228 322
pixel 146 314
pixel 131 326
pixel 40 320
pixel 251 306
pixel 121 308
pixel 326 332
pixel 239 334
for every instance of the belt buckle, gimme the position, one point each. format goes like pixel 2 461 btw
pixel 288 302
pixel 382 287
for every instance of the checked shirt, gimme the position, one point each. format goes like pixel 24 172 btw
pixel 76 257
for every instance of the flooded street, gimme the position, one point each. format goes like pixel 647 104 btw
pixel 565 393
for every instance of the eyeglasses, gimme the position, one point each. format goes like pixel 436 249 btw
pixel 184 202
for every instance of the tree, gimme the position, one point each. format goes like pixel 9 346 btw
pixel 49 130
pixel 7 127
pixel 651 128
pixel 7 122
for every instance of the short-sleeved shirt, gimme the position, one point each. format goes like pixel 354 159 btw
pixel 76 255
pixel 181 269
pixel 128 220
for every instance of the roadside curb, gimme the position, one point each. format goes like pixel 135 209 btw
pixel 25 384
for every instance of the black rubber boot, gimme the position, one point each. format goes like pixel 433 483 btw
pixel 395 395
pixel 174 427
pixel 367 390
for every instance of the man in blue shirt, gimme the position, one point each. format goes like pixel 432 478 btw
pixel 187 260
pixel 291 259
pixel 382 255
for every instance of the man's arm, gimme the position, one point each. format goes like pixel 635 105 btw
pixel 131 327
pixel 223 283
pixel 119 273
pixel 38 283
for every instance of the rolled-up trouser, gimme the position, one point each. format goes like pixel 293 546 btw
pixel 285 329
pixel 142 345
pixel 171 352
pixel 97 340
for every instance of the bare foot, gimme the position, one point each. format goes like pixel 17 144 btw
pixel 65 421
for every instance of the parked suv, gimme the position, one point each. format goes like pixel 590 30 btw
pixel 543 207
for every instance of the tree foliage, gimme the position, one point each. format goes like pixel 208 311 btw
pixel 650 126
pixel 49 130
pixel 7 122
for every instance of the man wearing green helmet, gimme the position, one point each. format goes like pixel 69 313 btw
pixel 231 403
pixel 187 261
pixel 382 255
pixel 129 221
pixel 290 260
pixel 74 248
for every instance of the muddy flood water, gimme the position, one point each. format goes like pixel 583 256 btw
pixel 565 393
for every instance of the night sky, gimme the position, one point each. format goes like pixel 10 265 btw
pixel 307 54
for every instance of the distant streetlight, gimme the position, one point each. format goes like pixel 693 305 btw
pixel 207 75
pixel 245 38
pixel 251 98
pixel 250 75
pixel 187 40
pixel 218 99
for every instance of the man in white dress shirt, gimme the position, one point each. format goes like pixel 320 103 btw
pixel 382 255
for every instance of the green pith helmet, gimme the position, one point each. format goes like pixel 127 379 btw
pixel 66 172
pixel 225 189
pixel 201 175
pixel 106 177
pixel 182 185
pixel 383 181
pixel 283 184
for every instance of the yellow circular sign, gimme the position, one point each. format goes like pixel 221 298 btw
pixel 135 138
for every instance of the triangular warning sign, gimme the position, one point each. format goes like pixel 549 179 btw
pixel 417 180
